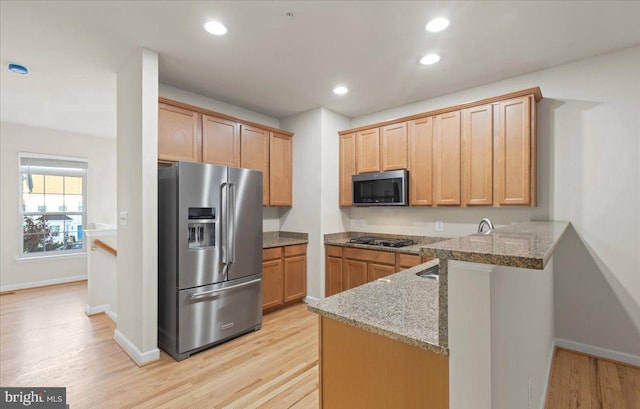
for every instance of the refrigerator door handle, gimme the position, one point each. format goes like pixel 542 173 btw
pixel 232 224
pixel 224 226
pixel 220 290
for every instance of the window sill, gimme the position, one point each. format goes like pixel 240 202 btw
pixel 51 257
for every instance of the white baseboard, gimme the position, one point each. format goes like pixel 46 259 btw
pixel 600 352
pixel 139 357
pixel 112 315
pixel 309 298
pixel 547 378
pixel 33 284
pixel 98 309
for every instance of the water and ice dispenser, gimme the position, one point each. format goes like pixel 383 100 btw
pixel 202 227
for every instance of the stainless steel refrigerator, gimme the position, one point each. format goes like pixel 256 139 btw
pixel 209 255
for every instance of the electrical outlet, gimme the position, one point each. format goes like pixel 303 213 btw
pixel 439 225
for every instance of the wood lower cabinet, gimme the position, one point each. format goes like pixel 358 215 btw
pixel 421 162
pixel 178 134
pixel 515 153
pixel 446 159
pixel 477 156
pixel 220 141
pixel 281 171
pixel 333 279
pixel 368 151
pixel 254 154
pixel 393 147
pixel 349 267
pixel 360 369
pixel 284 276
pixel 272 278
pixel 347 168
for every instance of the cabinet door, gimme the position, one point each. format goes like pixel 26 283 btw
pixel 295 278
pixel 272 284
pixel 333 275
pixel 347 167
pixel 513 153
pixel 477 156
pixel 446 159
pixel 393 139
pixel 368 151
pixel 254 154
pixel 220 141
pixel 280 172
pixel 354 273
pixel 178 134
pixel 375 271
pixel 420 162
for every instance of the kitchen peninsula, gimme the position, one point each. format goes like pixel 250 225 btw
pixel 481 336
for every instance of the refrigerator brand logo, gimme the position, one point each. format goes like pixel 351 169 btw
pixel 49 398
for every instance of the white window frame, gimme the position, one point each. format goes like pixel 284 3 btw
pixel 41 170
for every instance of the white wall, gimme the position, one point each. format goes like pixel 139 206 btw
pixel 304 216
pixel 270 216
pixel 101 198
pixel 137 281
pixel 589 174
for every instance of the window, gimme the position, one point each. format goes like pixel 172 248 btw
pixel 53 194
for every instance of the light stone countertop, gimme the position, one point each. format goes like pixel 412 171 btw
pixel 525 245
pixel 402 306
pixel 283 238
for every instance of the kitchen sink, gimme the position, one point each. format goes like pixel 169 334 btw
pixel 432 273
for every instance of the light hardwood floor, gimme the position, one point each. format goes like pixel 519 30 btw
pixel 47 340
pixel 586 382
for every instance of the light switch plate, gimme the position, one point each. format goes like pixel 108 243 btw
pixel 439 225
pixel 123 218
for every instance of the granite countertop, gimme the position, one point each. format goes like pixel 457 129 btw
pixel 283 238
pixel 524 245
pixel 402 306
pixel 342 239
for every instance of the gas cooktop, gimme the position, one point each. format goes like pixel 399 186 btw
pixel 382 241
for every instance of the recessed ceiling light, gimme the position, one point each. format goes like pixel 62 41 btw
pixel 430 59
pixel 437 24
pixel 340 90
pixel 215 28
pixel 18 69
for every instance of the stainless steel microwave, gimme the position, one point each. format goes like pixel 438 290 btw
pixel 381 188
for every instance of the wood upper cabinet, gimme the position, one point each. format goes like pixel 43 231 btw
pixel 393 141
pixel 420 162
pixel 368 151
pixel 477 156
pixel 254 154
pixel 281 170
pixel 347 167
pixel 220 141
pixel 515 153
pixel 446 159
pixel 178 134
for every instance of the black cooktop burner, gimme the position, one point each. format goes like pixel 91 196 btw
pixel 381 241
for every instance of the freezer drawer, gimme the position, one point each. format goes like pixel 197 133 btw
pixel 214 313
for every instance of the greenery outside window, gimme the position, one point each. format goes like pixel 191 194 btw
pixel 53 195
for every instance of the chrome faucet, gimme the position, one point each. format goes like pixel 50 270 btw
pixel 485 222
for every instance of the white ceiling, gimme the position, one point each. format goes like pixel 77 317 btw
pixel 280 66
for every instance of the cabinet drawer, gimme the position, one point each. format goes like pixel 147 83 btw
pixel 272 253
pixel 384 257
pixel 295 250
pixel 408 260
pixel 333 251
